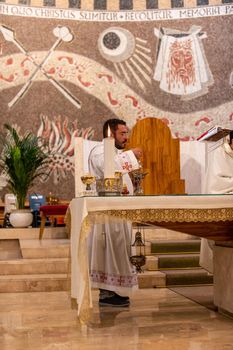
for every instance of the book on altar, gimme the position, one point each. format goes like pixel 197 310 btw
pixel 215 133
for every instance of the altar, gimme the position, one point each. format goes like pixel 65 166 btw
pixel 208 216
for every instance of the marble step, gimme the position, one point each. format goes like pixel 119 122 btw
pixel 48 248
pixel 171 261
pixel 61 282
pixel 151 234
pixel 10 249
pixel 33 233
pixel 175 246
pixel 34 283
pixel 187 277
pixel 168 278
pixel 178 261
pixel 43 265
pixel 151 279
pixel 34 266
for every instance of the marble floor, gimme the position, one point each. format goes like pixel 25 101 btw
pixel 157 319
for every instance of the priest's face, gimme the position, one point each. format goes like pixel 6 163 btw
pixel 121 136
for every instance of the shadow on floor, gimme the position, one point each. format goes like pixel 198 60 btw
pixel 202 295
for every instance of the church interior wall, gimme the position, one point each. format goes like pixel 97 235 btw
pixel 67 67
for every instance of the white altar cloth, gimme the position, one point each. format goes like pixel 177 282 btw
pixel 179 208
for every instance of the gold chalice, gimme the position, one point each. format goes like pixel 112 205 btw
pixel 88 180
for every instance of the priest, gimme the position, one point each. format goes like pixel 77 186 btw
pixel 110 242
pixel 219 180
pixel 219 176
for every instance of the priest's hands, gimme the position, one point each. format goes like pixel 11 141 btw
pixel 137 152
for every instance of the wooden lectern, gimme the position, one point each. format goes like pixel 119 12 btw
pixel 161 157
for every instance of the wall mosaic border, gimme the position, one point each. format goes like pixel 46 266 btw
pixel 117 5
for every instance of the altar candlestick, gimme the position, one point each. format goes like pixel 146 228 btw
pixel 109 152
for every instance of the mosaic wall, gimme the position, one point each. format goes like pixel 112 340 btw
pixel 64 71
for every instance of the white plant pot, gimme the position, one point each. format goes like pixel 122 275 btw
pixel 21 218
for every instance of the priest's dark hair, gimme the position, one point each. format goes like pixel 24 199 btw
pixel 113 124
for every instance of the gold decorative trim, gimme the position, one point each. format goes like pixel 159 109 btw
pixel 172 215
pixel 84 308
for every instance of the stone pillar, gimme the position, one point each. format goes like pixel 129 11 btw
pixel 223 277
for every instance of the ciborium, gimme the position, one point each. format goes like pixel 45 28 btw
pixel 88 180
pixel 110 186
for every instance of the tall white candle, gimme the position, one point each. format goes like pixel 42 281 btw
pixel 78 165
pixel 109 152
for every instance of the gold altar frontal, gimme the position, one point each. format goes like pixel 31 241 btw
pixel 215 224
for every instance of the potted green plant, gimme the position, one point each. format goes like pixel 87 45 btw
pixel 23 160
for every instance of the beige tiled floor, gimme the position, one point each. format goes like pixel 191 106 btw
pixel 157 319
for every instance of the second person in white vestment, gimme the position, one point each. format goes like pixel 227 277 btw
pixel 110 242
pixel 219 180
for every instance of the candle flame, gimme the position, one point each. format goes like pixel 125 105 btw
pixel 109 131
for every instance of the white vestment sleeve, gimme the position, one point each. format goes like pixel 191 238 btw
pixel 219 180
pixel 219 177
pixel 96 161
